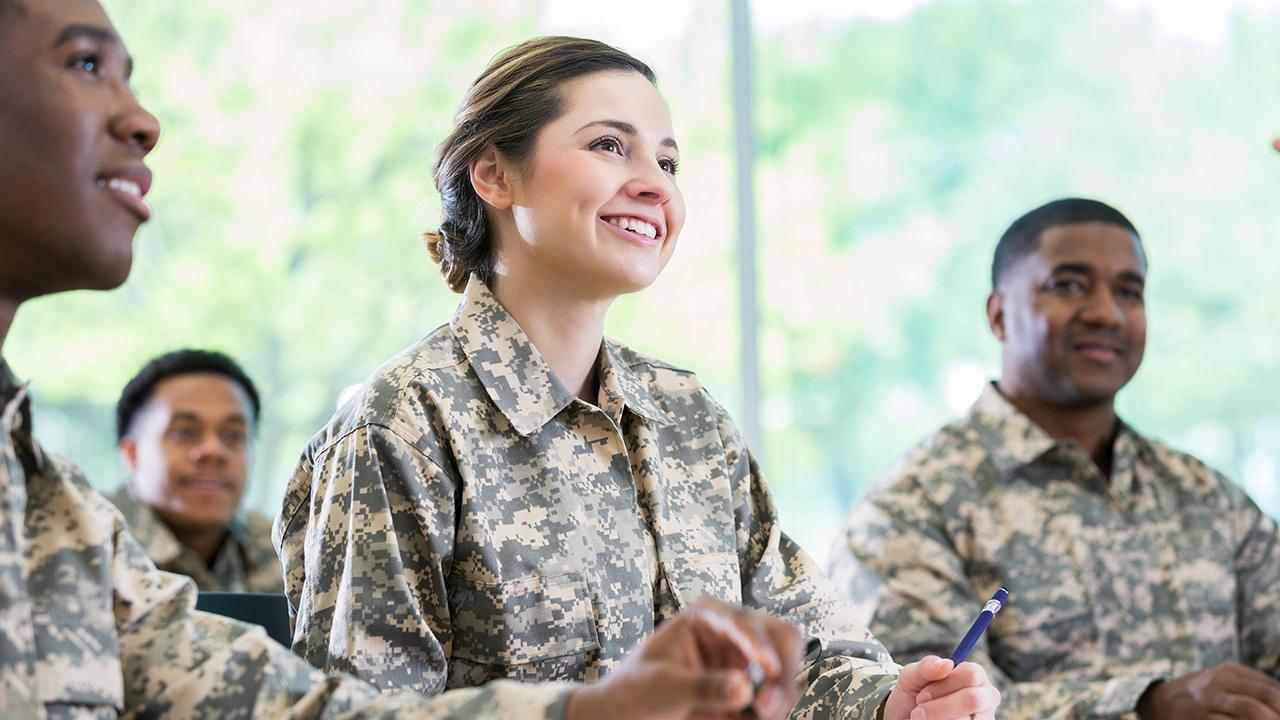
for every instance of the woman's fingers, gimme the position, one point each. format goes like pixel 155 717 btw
pixel 959 705
pixel 965 675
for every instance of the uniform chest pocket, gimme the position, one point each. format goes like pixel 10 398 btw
pixel 538 628
pixel 1046 630
pixel 77 656
pixel 1204 595
pixel 716 575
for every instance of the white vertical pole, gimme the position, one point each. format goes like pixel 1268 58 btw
pixel 744 151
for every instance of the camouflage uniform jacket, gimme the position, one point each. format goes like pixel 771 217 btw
pixel 1162 569
pixel 246 562
pixel 89 628
pixel 467 518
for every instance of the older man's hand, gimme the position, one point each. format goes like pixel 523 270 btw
pixel 1222 691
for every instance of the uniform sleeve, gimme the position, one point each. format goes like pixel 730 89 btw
pixel 1257 571
pixel 896 558
pixel 178 662
pixel 846 673
pixel 364 536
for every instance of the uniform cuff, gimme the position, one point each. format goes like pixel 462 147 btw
pixel 551 698
pixel 864 700
pixel 1120 695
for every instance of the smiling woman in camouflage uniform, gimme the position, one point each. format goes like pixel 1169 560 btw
pixel 89 628
pixel 516 496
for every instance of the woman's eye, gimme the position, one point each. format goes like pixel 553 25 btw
pixel 608 144
pixel 669 165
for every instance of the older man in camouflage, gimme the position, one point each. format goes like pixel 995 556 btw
pixel 1144 584
pixel 89 628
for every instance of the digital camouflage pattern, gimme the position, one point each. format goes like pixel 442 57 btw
pixel 246 562
pixel 90 629
pixel 466 518
pixel 1162 569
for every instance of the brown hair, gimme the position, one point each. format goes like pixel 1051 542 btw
pixel 506 107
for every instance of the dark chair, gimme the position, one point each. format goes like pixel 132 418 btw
pixel 270 610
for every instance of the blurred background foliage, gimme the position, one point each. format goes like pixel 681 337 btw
pixel 897 139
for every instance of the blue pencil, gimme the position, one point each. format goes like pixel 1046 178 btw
pixel 979 625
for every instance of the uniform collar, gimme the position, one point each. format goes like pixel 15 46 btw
pixel 1015 441
pixel 15 419
pixel 517 378
pixel 9 385
pixel 147 528
pixel 15 400
pixel 619 381
pixel 158 540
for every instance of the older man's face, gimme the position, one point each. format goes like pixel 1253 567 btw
pixel 1071 315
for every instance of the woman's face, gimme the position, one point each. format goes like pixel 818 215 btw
pixel 596 208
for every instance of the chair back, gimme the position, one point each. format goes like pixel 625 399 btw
pixel 270 610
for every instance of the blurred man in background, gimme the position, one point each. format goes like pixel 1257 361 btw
pixel 185 426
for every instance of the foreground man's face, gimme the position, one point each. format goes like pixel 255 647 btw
pixel 72 176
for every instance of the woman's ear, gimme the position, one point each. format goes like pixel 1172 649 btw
pixel 491 178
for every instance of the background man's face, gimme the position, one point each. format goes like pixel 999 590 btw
pixel 1071 315
pixel 188 450
pixel 72 176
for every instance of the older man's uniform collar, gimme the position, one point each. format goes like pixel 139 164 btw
pixel 1016 442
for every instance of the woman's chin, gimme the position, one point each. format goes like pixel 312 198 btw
pixel 633 281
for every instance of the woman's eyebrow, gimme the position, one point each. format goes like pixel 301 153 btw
pixel 627 128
